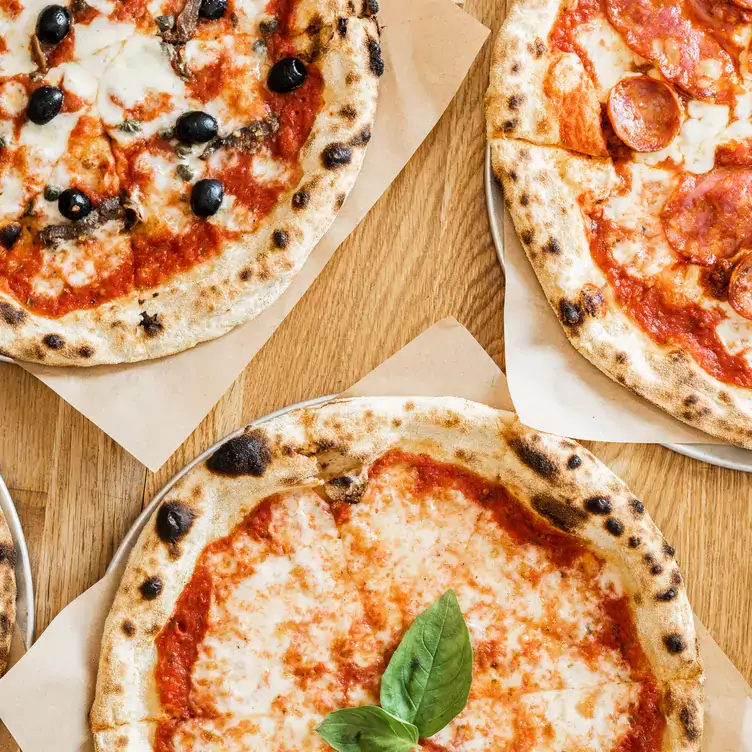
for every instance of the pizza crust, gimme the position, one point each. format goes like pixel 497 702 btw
pixel 216 296
pixel 7 592
pixel 306 447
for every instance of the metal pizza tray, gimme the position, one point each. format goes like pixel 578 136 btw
pixel 722 455
pixel 129 541
pixel 24 586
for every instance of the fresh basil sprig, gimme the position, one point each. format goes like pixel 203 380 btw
pixel 425 686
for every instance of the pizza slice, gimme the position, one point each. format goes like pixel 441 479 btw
pixel 7 592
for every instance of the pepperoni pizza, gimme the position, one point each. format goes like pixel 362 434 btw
pixel 622 133
pixel 166 166
pixel 277 578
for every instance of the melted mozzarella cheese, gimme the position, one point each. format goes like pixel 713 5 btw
pixel 101 33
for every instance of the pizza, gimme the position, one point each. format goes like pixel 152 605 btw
pixel 621 132
pixel 7 592
pixel 278 576
pixel 166 166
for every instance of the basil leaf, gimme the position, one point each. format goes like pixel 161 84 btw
pixel 367 729
pixel 428 679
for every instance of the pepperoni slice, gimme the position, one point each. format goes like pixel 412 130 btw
pixel 746 4
pixel 646 114
pixel 685 52
pixel 740 287
pixel 724 19
pixel 709 217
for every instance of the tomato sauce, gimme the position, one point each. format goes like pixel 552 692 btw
pixel 562 36
pixel 646 735
pixel 684 325
pixel 12 8
pixel 63 51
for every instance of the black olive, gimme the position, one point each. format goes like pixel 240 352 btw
pixel 44 104
pixel 74 204
pixel 287 75
pixel 9 235
pixel 196 127
pixel 212 9
pixel 206 197
pixel 53 24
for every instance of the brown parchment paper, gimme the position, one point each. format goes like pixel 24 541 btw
pixel 151 408
pixel 554 388
pixel 45 699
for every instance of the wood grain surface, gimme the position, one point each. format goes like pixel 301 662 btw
pixel 423 253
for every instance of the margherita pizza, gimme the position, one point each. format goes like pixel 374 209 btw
pixel 621 132
pixel 277 578
pixel 167 166
pixel 7 592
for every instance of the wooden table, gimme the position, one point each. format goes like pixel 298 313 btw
pixel 423 253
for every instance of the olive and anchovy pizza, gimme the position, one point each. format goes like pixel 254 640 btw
pixel 622 133
pixel 166 166
pixel 281 596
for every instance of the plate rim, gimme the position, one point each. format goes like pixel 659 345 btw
pixel 122 552
pixel 24 577
pixel 494 200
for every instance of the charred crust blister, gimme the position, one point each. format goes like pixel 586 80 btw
pixel 7 554
pixel 535 460
pixel 571 313
pixel 637 507
pixel 281 239
pixel 300 200
pixel 527 236
pixel 667 595
pixel 592 300
pixel 174 520
pixel 509 125
pixel 656 569
pixel 11 315
pixel 129 628
pixel 151 325
pixel 614 526
pixel 53 341
pixel 248 454
pixel 515 101
pixel 670 551
pixel 375 59
pixel 342 27
pixel 688 717
pixel 151 588
pixel 336 156
pixel 370 8
pixel 85 352
pixel 574 462
pixel 349 113
pixel 674 644
pixel 598 505
pixel 560 515
pixel 553 246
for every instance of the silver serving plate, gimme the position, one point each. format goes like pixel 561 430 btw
pixel 722 455
pixel 129 541
pixel 24 585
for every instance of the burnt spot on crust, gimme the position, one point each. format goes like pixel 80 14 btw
pixel 509 125
pixel 534 459
pixel 85 352
pixel 281 239
pixel 676 578
pixel 151 325
pixel 515 68
pixel 621 358
pixel 129 628
pixel 614 526
pixel 151 588
pixel 571 313
pixel 634 542
pixel 524 199
pixel 174 520
pixel 375 59
pixel 53 341
pixel 637 507
pixel 592 300
pixel 692 400
pixel 527 236
pixel 300 200
pixel 339 202
pixel 363 138
pixel 348 112
pixel 553 246
pixel 515 101
pixel 370 8
pixel 248 454
pixel 10 315
pixel 336 156
pixel 246 274
pixel 574 462
pixel 667 595
pixel 537 48
pixel 513 176
pixel 670 551
pixel 342 27
pixel 7 554
pixel 674 644
pixel 656 569
pixel 689 717
pixel 598 505
pixel 559 514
